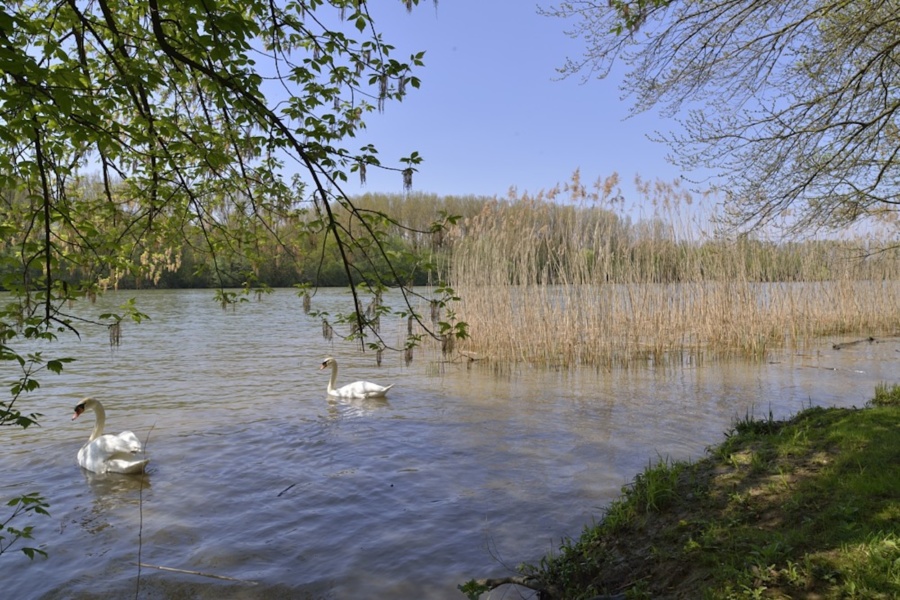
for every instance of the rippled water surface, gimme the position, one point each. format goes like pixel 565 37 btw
pixel 257 476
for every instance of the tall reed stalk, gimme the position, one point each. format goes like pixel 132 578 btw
pixel 567 278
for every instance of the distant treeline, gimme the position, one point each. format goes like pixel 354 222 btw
pixel 390 239
pixel 304 256
pixel 515 240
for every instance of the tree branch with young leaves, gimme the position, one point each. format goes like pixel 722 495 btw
pixel 214 120
pixel 133 132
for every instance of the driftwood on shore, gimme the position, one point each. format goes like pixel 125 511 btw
pixel 853 343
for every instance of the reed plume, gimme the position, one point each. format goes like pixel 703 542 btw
pixel 569 277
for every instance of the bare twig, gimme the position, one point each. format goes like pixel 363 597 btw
pixel 200 573
pixel 137 584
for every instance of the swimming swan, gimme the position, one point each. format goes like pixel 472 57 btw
pixel 357 389
pixel 108 453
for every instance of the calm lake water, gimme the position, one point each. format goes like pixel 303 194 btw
pixel 256 475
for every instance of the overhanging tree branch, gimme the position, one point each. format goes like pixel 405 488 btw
pixel 789 104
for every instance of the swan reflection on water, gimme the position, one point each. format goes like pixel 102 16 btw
pixel 112 491
pixel 355 407
pixel 115 483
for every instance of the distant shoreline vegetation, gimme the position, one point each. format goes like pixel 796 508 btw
pixel 568 276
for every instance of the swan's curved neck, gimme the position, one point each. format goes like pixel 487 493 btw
pixel 333 379
pixel 99 422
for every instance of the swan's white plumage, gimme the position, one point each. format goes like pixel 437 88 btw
pixel 357 389
pixel 108 453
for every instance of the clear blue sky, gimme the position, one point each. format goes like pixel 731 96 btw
pixel 492 112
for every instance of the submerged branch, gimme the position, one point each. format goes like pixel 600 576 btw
pixel 200 573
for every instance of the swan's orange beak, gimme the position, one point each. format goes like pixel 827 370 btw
pixel 78 410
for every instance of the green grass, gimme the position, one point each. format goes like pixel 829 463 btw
pixel 804 508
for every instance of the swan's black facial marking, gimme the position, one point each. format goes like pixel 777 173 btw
pixel 79 408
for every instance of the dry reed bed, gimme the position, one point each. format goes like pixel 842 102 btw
pixel 579 284
pixel 621 323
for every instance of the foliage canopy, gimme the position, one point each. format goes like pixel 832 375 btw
pixel 133 133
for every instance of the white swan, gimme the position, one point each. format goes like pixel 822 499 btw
pixel 357 389
pixel 108 453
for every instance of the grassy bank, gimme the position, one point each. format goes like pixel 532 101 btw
pixel 805 508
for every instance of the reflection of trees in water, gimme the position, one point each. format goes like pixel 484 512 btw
pixel 112 491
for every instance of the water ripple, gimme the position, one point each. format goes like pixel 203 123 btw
pixel 256 475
